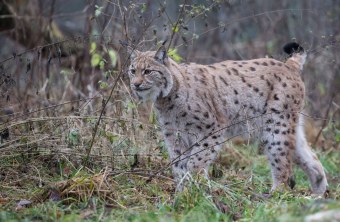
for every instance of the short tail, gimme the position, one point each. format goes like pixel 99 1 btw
pixel 296 54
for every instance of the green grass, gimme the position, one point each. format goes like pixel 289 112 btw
pixel 233 194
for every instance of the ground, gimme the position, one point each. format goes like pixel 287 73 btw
pixel 59 190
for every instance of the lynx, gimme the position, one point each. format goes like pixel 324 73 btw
pixel 199 106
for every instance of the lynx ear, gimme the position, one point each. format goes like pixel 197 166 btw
pixel 132 53
pixel 167 85
pixel 161 55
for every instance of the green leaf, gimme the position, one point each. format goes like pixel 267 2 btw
pixel 92 121
pixel 102 64
pixel 131 105
pixel 113 57
pixel 175 28
pixel 95 59
pixel 93 47
pixel 74 136
pixel 337 136
pixel 111 137
pixel 103 85
pixel 143 8
pixel 66 72
pixel 107 73
pixel 174 55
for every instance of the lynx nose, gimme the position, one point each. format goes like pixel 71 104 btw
pixel 137 82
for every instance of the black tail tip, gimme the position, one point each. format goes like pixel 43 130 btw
pixel 292 47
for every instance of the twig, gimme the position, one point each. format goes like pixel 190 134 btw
pixel 140 173
pixel 43 109
pixel 38 47
pixel 324 123
pixel 88 151
pixel 176 24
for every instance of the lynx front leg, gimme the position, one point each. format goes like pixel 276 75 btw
pixel 179 170
pixel 203 154
pixel 190 158
pixel 179 151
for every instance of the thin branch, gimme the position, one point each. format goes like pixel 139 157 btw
pixel 174 28
pixel 324 122
pixel 88 151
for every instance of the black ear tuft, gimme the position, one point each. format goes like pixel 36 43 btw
pixel 292 47
pixel 161 54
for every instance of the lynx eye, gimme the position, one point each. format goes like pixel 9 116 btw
pixel 147 71
pixel 133 71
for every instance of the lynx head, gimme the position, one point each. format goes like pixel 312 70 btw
pixel 150 77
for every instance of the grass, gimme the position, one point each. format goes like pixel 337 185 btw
pixel 61 191
pixel 49 174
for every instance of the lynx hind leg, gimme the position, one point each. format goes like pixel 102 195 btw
pixel 279 141
pixel 308 161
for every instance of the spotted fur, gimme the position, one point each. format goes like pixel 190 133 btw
pixel 200 106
